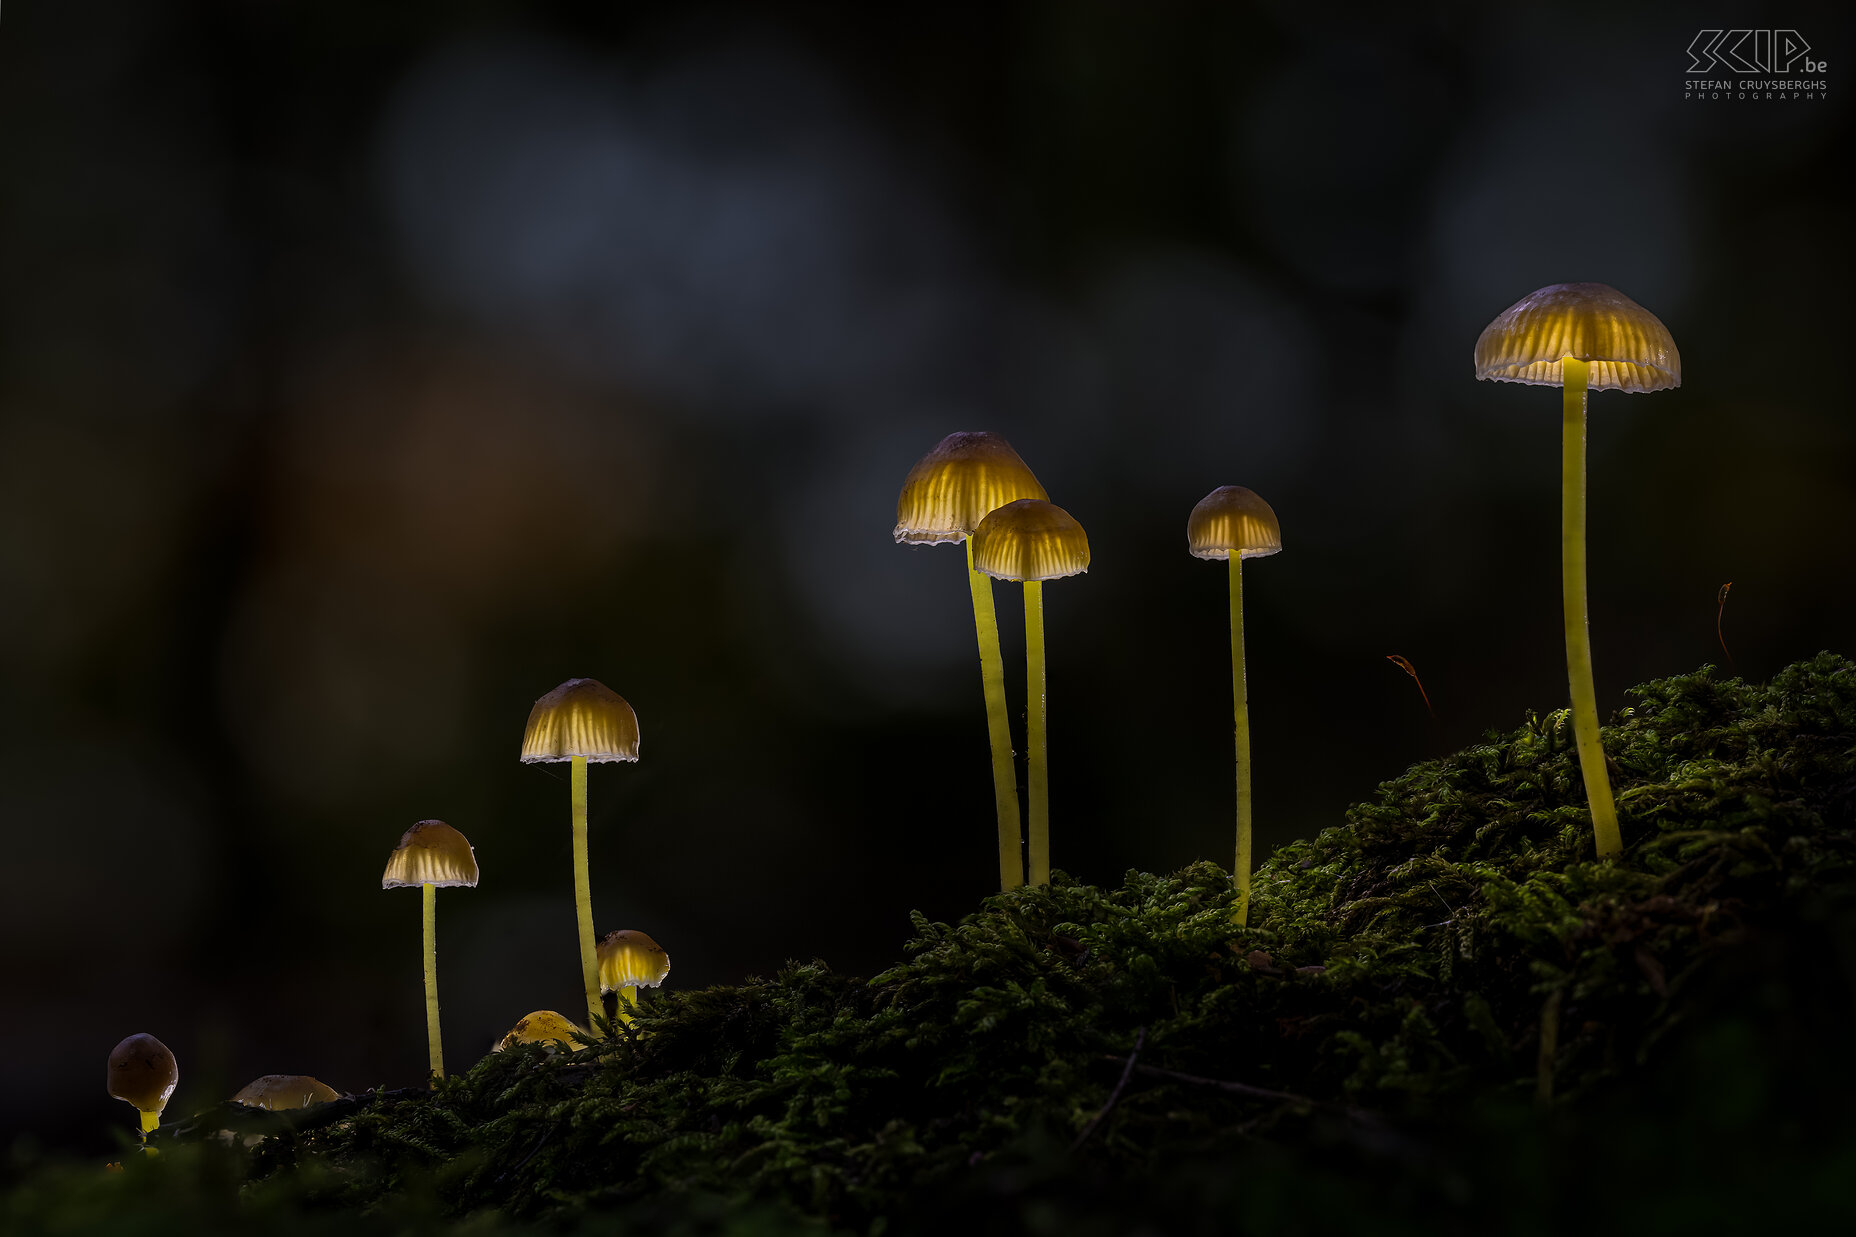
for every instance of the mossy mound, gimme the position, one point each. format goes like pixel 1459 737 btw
pixel 1413 986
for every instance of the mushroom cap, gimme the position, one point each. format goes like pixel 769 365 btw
pixel 630 959
pixel 1625 344
pixel 1030 539
pixel 1232 518
pixel 430 853
pixel 276 1091
pixel 950 490
pixel 541 1027
pixel 143 1072
pixel 581 717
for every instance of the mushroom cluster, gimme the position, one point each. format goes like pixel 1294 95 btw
pixel 974 488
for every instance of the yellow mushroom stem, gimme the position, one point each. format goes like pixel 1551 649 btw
pixel 583 900
pixel 628 996
pixel 992 678
pixel 1578 633
pixel 1240 696
pixel 150 1120
pixel 436 1044
pixel 1037 764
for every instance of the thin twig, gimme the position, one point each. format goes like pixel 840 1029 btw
pixel 1244 1088
pixel 553 1128
pixel 1406 666
pixel 1140 1038
pixel 244 1118
pixel 1721 610
pixel 1236 1088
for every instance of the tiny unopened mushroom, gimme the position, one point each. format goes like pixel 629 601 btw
pixel 143 1073
pixel 278 1091
pixel 945 496
pixel 630 960
pixel 544 1026
pixel 1234 524
pixel 1032 541
pixel 582 721
pixel 1580 336
pixel 431 855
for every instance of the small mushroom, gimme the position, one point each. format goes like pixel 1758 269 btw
pixel 544 1026
pixel 944 498
pixel 1580 336
pixel 1233 523
pixel 431 855
pixel 630 960
pixel 1032 541
pixel 582 721
pixel 276 1091
pixel 143 1073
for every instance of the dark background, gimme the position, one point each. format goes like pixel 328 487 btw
pixel 368 369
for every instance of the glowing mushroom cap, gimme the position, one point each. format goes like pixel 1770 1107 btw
pixel 1232 519
pixel 276 1091
pixel 630 959
pixel 1626 346
pixel 1030 539
pixel 950 490
pixel 581 717
pixel 541 1027
pixel 430 853
pixel 143 1072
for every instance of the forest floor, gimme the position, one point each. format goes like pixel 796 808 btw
pixel 1445 1015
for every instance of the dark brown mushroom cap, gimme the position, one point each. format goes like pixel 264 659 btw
pixel 630 959
pixel 950 490
pixel 276 1091
pixel 581 717
pixel 1233 519
pixel 541 1027
pixel 430 853
pixel 1628 348
pixel 1030 540
pixel 143 1072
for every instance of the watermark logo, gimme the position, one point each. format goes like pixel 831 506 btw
pixel 1751 51
pixel 1765 65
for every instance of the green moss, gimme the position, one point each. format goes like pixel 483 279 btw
pixel 1418 976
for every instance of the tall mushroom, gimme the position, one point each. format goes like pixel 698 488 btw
pixel 582 721
pixel 1233 523
pixel 630 960
pixel 944 498
pixel 1580 336
pixel 143 1073
pixel 431 855
pixel 1032 541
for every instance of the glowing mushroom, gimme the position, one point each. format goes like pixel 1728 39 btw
pixel 544 1026
pixel 1580 336
pixel 431 855
pixel 944 498
pixel 1233 523
pixel 582 721
pixel 630 960
pixel 143 1073
pixel 276 1091
pixel 1032 541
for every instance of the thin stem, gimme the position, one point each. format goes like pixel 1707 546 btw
pixel 1578 633
pixel 150 1121
pixel 583 899
pixel 992 678
pixel 1240 695
pixel 628 996
pixel 431 980
pixel 1037 761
